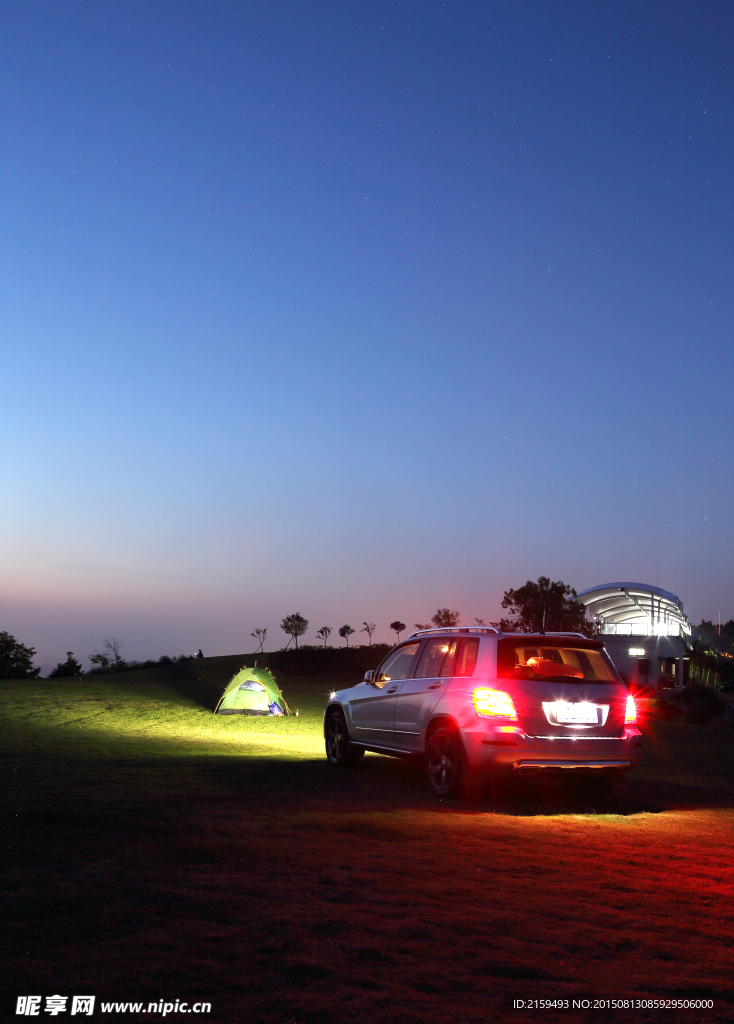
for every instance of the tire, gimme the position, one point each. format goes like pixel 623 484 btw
pixel 446 767
pixel 340 750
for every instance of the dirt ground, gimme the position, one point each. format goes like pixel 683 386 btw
pixel 281 890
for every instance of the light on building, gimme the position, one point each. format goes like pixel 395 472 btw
pixel 637 652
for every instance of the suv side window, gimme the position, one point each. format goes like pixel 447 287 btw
pixel 467 659
pixel 437 659
pixel 397 665
pixel 449 662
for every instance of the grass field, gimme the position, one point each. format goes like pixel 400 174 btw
pixel 152 851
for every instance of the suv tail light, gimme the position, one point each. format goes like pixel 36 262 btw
pixel 494 703
pixel 630 712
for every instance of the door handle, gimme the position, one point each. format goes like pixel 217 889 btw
pixel 393 689
pixel 435 686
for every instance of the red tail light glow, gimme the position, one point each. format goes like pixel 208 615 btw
pixel 494 703
pixel 630 714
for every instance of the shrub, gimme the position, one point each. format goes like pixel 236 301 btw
pixel 70 667
pixel 700 704
pixel 133 666
pixel 659 708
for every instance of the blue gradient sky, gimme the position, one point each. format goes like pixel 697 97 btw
pixel 359 309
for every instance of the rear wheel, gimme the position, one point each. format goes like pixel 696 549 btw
pixel 339 747
pixel 445 762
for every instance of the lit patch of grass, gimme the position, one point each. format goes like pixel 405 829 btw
pixel 118 715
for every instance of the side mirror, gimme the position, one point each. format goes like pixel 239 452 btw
pixel 368 676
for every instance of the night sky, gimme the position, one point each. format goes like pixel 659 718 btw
pixel 357 310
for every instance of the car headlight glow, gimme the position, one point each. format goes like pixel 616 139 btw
pixel 494 703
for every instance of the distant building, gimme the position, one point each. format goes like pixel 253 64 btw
pixel 645 631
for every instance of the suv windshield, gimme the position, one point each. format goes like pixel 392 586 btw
pixel 540 658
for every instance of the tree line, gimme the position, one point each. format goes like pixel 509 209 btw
pixel 16 660
pixel 538 606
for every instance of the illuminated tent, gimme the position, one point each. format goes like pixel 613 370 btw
pixel 252 691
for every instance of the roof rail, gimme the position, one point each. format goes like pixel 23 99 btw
pixel 454 629
pixel 565 632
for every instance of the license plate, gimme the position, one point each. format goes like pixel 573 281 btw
pixel 576 714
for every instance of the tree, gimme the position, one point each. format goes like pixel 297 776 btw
pixel 345 632
pixel 423 625
pixel 398 627
pixel 323 633
pixel 545 607
pixel 16 659
pixel 260 635
pixel 368 628
pixel 114 646
pixel 70 667
pixel 99 659
pixel 480 622
pixel 710 636
pixel 445 617
pixel 294 625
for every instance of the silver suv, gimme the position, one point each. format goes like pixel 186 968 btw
pixel 474 702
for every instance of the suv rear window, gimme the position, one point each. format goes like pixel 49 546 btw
pixel 540 658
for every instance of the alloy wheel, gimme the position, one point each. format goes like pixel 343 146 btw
pixel 335 739
pixel 444 763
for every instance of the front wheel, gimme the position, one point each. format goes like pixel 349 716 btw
pixel 339 747
pixel 445 764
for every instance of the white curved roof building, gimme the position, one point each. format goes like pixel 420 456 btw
pixel 636 609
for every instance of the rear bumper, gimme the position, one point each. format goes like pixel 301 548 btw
pixel 537 767
pixel 508 748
